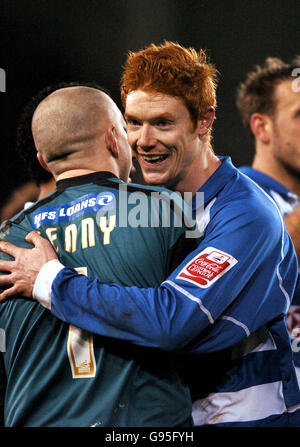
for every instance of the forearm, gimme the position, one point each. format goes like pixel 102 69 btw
pixel 155 317
pixel 161 317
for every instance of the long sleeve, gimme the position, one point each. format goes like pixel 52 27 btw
pixel 216 297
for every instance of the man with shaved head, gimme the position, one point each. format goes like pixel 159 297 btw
pixel 52 373
pixel 68 127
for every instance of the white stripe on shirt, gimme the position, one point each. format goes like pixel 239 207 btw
pixel 250 404
pixel 191 297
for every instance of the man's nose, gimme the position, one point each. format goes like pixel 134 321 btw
pixel 146 138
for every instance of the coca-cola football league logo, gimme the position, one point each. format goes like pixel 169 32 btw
pixel 206 267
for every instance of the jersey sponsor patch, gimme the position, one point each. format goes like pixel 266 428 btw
pixel 207 267
pixel 71 210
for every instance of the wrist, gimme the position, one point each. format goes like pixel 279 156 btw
pixel 43 283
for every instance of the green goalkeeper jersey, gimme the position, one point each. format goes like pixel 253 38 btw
pixel 54 374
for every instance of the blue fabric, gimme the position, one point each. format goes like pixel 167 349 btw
pixel 278 420
pixel 194 315
pixel 269 184
pixel 266 182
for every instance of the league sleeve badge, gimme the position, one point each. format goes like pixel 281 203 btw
pixel 207 267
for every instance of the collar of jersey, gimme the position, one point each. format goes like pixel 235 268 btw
pixel 268 183
pixel 217 180
pixel 94 177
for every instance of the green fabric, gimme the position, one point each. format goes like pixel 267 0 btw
pixel 132 386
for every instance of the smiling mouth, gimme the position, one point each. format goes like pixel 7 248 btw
pixel 154 158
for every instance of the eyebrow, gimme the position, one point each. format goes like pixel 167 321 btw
pixel 128 116
pixel 165 116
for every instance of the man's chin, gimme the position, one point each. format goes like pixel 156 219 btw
pixel 155 180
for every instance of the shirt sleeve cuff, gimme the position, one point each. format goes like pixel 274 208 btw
pixel 43 283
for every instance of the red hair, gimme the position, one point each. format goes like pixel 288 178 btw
pixel 173 70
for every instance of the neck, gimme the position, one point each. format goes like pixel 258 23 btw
pixel 273 168
pixel 73 173
pixel 201 169
pixel 78 172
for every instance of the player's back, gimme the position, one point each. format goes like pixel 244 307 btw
pixel 58 375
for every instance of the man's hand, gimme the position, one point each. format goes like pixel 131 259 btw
pixel 26 265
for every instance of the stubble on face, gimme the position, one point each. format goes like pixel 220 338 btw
pixel 286 129
pixel 163 136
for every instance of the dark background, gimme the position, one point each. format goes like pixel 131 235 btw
pixel 47 41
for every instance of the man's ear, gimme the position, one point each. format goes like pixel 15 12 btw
pixel 42 161
pixel 111 141
pixel 260 127
pixel 205 123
